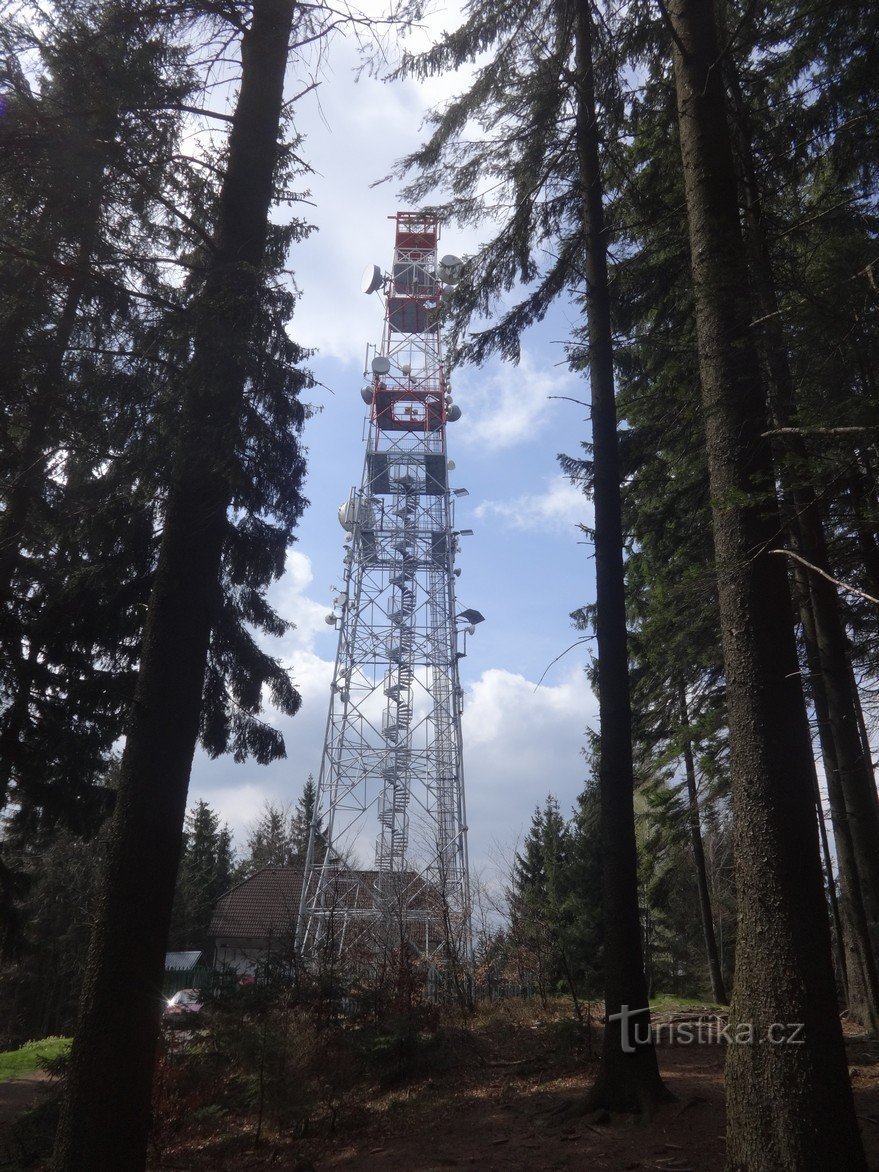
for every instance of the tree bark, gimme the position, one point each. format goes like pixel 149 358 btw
pixel 857 492
pixel 789 1106
pixel 858 959
pixel 106 1110
pixel 628 1078
pixel 807 537
pixel 715 971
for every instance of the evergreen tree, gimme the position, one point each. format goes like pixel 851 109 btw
pixel 204 874
pixel 271 841
pixel 543 98
pixel 303 817
pixel 803 1115
pixel 536 897
pixel 75 541
pixel 821 609
pixel 109 248
pixel 237 421
pixel 554 900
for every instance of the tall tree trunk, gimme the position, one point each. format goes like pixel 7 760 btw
pixel 106 1111
pixel 859 964
pixel 857 492
pixel 715 971
pixel 628 1077
pixel 807 536
pixel 789 1107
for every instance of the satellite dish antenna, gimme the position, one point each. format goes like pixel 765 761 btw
pixel 372 279
pixel 380 364
pixel 472 617
pixel 450 268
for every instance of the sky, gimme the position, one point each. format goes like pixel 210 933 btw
pixel 526 567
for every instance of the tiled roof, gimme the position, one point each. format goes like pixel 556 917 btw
pixel 266 904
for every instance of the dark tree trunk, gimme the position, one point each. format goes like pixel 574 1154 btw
pixel 106 1111
pixel 628 1079
pixel 807 536
pixel 857 492
pixel 789 1107
pixel 858 963
pixel 854 771
pixel 715 971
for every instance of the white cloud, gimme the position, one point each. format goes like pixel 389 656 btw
pixel 506 405
pixel 560 507
pixel 290 599
pixel 355 131
pixel 521 742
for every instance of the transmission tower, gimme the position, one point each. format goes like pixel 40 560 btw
pixel 391 781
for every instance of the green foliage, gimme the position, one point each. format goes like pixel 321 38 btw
pixel 271 841
pixel 31 1057
pixel 504 152
pixel 41 974
pixel 555 899
pixel 106 243
pixel 303 818
pixel 674 954
pixel 78 285
pixel 128 204
pixel 279 836
pixel 205 873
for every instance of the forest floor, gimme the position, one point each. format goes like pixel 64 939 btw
pixel 502 1094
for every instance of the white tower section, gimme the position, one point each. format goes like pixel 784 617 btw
pixel 390 793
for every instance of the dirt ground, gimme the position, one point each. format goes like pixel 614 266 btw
pixel 519 1120
pixel 498 1097
pixel 20 1094
pixel 504 1104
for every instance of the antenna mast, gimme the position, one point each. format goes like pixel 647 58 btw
pixel 391 779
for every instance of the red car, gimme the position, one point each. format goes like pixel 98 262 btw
pixel 183 1009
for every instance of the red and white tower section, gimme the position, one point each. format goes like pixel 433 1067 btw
pixel 392 856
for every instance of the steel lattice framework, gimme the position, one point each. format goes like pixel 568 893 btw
pixel 391 769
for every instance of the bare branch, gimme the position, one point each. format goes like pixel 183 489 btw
pixel 202 112
pixel 822 430
pixel 576 643
pixel 816 569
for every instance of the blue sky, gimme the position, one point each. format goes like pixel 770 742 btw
pixel 527 565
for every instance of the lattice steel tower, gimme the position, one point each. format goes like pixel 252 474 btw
pixel 391 771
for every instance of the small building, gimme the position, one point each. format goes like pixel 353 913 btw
pixel 257 918
pixel 367 912
pixel 186 970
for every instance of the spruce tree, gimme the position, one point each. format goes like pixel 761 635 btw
pixel 303 817
pixel 271 840
pixel 788 1107
pixel 542 98
pixel 236 387
pixel 204 874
